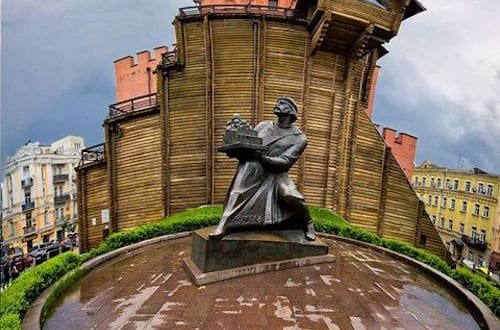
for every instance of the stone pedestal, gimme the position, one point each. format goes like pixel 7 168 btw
pixel 247 253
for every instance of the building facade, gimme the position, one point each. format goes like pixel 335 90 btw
pixel 39 193
pixel 464 207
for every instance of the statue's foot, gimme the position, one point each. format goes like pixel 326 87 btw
pixel 217 234
pixel 309 232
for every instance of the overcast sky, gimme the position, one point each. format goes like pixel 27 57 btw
pixel 440 81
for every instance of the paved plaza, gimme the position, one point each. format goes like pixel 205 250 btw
pixel 363 289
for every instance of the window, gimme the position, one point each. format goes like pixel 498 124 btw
pixel 448 184
pixel 439 182
pixel 444 201
pixel 464 206
pixel 461 228
pixel 480 261
pixel 423 181
pixel 26 172
pixel 450 224
pixel 476 209
pixel 423 240
pixel 433 219
pixel 273 3
pixel 441 222
pixel 432 183
pixel 429 200
pixel 467 186
pixel 452 204
pixel 482 236
pixel 474 234
pixel 489 190
pixel 415 181
pixel 11 228
pixel 455 184
pixel 46 217
pixel 486 212
pixel 77 146
pixel 27 197
pixel 436 198
pixel 480 188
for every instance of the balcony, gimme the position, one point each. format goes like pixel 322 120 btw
pixel 28 206
pixel 26 182
pixel 137 104
pixel 60 221
pixel 29 230
pixel 60 178
pixel 93 154
pixel 474 243
pixel 61 199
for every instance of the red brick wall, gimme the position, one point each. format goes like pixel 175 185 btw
pixel 281 3
pixel 403 148
pixel 371 97
pixel 135 77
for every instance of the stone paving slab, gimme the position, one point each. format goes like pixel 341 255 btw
pixel 363 289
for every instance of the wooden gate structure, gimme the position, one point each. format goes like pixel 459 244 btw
pixel 160 156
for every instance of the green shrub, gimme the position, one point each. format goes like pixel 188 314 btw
pixel 10 321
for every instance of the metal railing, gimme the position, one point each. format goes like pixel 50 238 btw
pixel 29 230
pixel 474 242
pixel 135 104
pixel 92 154
pixel 169 58
pixel 27 182
pixel 236 9
pixel 28 206
pixel 61 199
pixel 60 178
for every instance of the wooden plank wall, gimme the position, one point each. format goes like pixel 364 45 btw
pixel 323 124
pixel 187 124
pixel 367 175
pixel 93 197
pixel 286 50
pixel 401 205
pixel 232 42
pixel 138 174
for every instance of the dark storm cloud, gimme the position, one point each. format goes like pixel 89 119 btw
pixel 440 83
pixel 57 62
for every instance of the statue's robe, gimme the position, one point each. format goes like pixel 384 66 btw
pixel 261 193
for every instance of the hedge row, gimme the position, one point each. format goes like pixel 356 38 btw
pixel 19 296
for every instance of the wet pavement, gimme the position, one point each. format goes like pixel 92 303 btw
pixel 363 289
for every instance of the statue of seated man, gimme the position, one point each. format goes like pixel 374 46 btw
pixel 261 195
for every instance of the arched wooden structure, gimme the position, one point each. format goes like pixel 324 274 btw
pixel 161 157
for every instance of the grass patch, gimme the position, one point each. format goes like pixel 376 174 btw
pixel 23 292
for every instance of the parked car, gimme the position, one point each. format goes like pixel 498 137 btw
pixel 39 253
pixel 53 249
pixel 66 245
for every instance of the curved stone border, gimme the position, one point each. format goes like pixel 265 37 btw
pixel 481 313
pixel 33 315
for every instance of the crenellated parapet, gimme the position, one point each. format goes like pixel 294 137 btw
pixel 403 147
pixel 136 76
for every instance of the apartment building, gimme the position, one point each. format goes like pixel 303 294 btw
pixel 464 207
pixel 39 193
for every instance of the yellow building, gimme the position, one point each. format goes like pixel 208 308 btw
pixel 39 193
pixel 464 207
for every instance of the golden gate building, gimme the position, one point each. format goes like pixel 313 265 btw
pixel 160 157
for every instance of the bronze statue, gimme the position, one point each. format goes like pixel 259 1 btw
pixel 261 195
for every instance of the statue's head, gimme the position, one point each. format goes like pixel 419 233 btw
pixel 286 106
